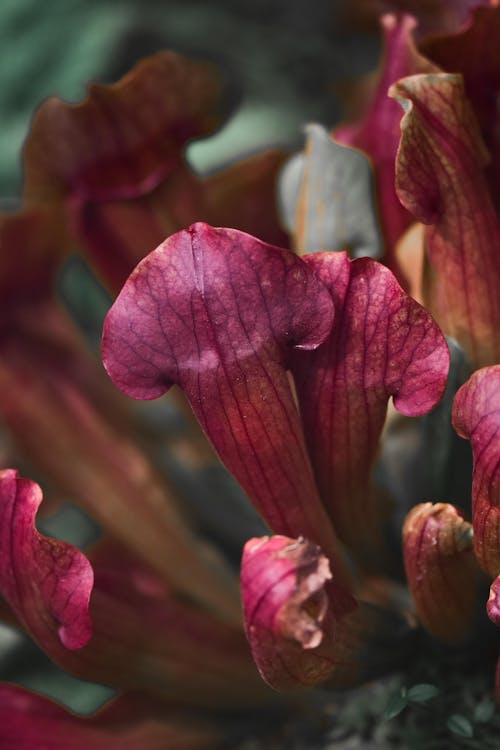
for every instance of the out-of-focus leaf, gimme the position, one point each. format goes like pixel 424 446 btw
pixel 484 711
pixel 460 725
pixel 47 583
pixel 35 40
pixel 422 693
pixel 377 133
pixel 396 703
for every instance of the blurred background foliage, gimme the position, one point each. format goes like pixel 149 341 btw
pixel 284 59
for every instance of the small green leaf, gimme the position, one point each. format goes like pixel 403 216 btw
pixel 460 725
pixel 484 711
pixel 422 692
pixel 396 703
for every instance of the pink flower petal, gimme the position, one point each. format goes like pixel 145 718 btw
pixel 441 570
pixel 383 344
pixel 217 312
pixel 46 582
pixel 29 721
pixel 377 134
pixel 476 417
pixel 440 178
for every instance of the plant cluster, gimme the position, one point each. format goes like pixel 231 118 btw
pixel 287 301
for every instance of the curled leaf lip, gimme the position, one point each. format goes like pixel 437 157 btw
pixel 442 572
pixel 383 344
pixel 441 180
pixel 48 583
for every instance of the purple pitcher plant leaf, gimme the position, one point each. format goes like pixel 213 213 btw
pixel 46 582
pixel 440 178
pixel 297 618
pixel 383 344
pixel 217 312
pixel 476 417
pixel 115 164
pixel 29 721
pixel 326 197
pixel 441 570
pixel 377 133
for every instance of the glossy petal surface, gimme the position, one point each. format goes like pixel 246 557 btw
pixel 46 582
pixel 441 570
pixel 440 178
pixel 383 344
pixel 476 416
pixel 217 312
